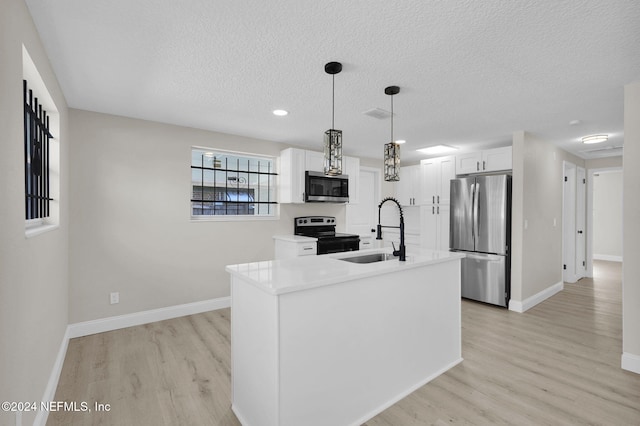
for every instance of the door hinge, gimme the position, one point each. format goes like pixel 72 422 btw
pixel 583 263
pixel 584 181
pixel 565 178
pixel 564 266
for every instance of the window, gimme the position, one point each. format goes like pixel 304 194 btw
pixel 41 152
pixel 36 153
pixel 231 184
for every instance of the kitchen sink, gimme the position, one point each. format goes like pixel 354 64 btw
pixel 369 258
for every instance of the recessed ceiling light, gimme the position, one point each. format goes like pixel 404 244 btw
pixel 280 112
pixel 437 149
pixel 574 122
pixel 401 141
pixel 595 139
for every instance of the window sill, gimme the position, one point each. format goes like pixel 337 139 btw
pixel 222 218
pixel 32 231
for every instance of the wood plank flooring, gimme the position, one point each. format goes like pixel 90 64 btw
pixel 559 363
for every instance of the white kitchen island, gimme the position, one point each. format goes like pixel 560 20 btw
pixel 320 341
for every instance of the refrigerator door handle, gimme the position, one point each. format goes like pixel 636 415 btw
pixel 473 213
pixel 476 204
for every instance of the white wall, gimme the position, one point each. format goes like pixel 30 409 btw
pixel 34 271
pixel 537 200
pixel 631 222
pixel 607 215
pixel 131 230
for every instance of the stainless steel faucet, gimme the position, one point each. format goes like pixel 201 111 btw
pixel 402 251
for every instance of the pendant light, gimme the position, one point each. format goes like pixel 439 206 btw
pixel 333 137
pixel 392 149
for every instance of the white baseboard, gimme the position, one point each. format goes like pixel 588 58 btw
pixel 114 323
pixel 52 384
pixel 530 302
pixel 630 362
pixel 607 257
pixel 87 328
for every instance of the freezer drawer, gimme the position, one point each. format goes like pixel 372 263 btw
pixel 484 278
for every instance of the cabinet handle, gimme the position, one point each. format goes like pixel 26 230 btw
pixel 433 210
pixel 438 209
pixel 307 248
pixel 484 165
pixel 438 199
pixel 477 166
pixel 433 199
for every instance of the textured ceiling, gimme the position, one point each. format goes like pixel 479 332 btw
pixel 470 72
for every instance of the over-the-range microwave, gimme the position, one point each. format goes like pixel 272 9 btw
pixel 319 187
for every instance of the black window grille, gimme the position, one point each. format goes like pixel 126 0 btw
pixel 36 157
pixel 230 184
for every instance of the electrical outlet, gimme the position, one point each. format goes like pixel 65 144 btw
pixel 115 298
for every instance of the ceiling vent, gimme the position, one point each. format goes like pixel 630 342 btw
pixel 378 113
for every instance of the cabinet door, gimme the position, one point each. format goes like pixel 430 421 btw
pixel 351 167
pixel 468 163
pixel 314 161
pixel 429 227
pixel 405 192
pixel 442 212
pixel 291 178
pixel 446 172
pixel 429 177
pixel 497 159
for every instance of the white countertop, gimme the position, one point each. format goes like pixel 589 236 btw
pixel 301 273
pixel 294 238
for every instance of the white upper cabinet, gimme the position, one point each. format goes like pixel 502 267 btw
pixel 490 160
pixel 314 161
pixel 351 168
pixel 291 178
pixel 436 176
pixel 408 188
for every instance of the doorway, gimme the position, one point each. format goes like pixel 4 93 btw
pixel 604 218
pixel 574 242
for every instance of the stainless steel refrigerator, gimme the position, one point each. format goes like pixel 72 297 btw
pixel 481 228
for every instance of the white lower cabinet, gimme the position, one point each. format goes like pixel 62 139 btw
pixel 290 246
pixel 411 239
pixel 435 227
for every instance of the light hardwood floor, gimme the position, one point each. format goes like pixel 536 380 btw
pixel 558 363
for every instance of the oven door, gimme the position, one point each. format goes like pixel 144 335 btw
pixel 337 245
pixel 329 189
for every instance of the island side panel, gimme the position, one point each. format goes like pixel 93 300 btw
pixel 254 354
pixel 350 350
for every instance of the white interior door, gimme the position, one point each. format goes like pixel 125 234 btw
pixel 363 216
pixel 569 222
pixel 581 246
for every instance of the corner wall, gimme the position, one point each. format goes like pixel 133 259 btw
pixel 631 237
pixel 34 271
pixel 130 212
pixel 537 201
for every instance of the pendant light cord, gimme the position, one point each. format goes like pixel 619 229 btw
pixel 392 141
pixel 333 100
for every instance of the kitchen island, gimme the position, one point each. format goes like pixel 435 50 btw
pixel 317 340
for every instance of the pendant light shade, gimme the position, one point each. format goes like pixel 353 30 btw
pixel 392 149
pixel 333 137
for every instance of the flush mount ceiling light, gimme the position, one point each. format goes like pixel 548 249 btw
pixel 280 112
pixel 437 149
pixel 333 137
pixel 392 149
pixel 595 139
